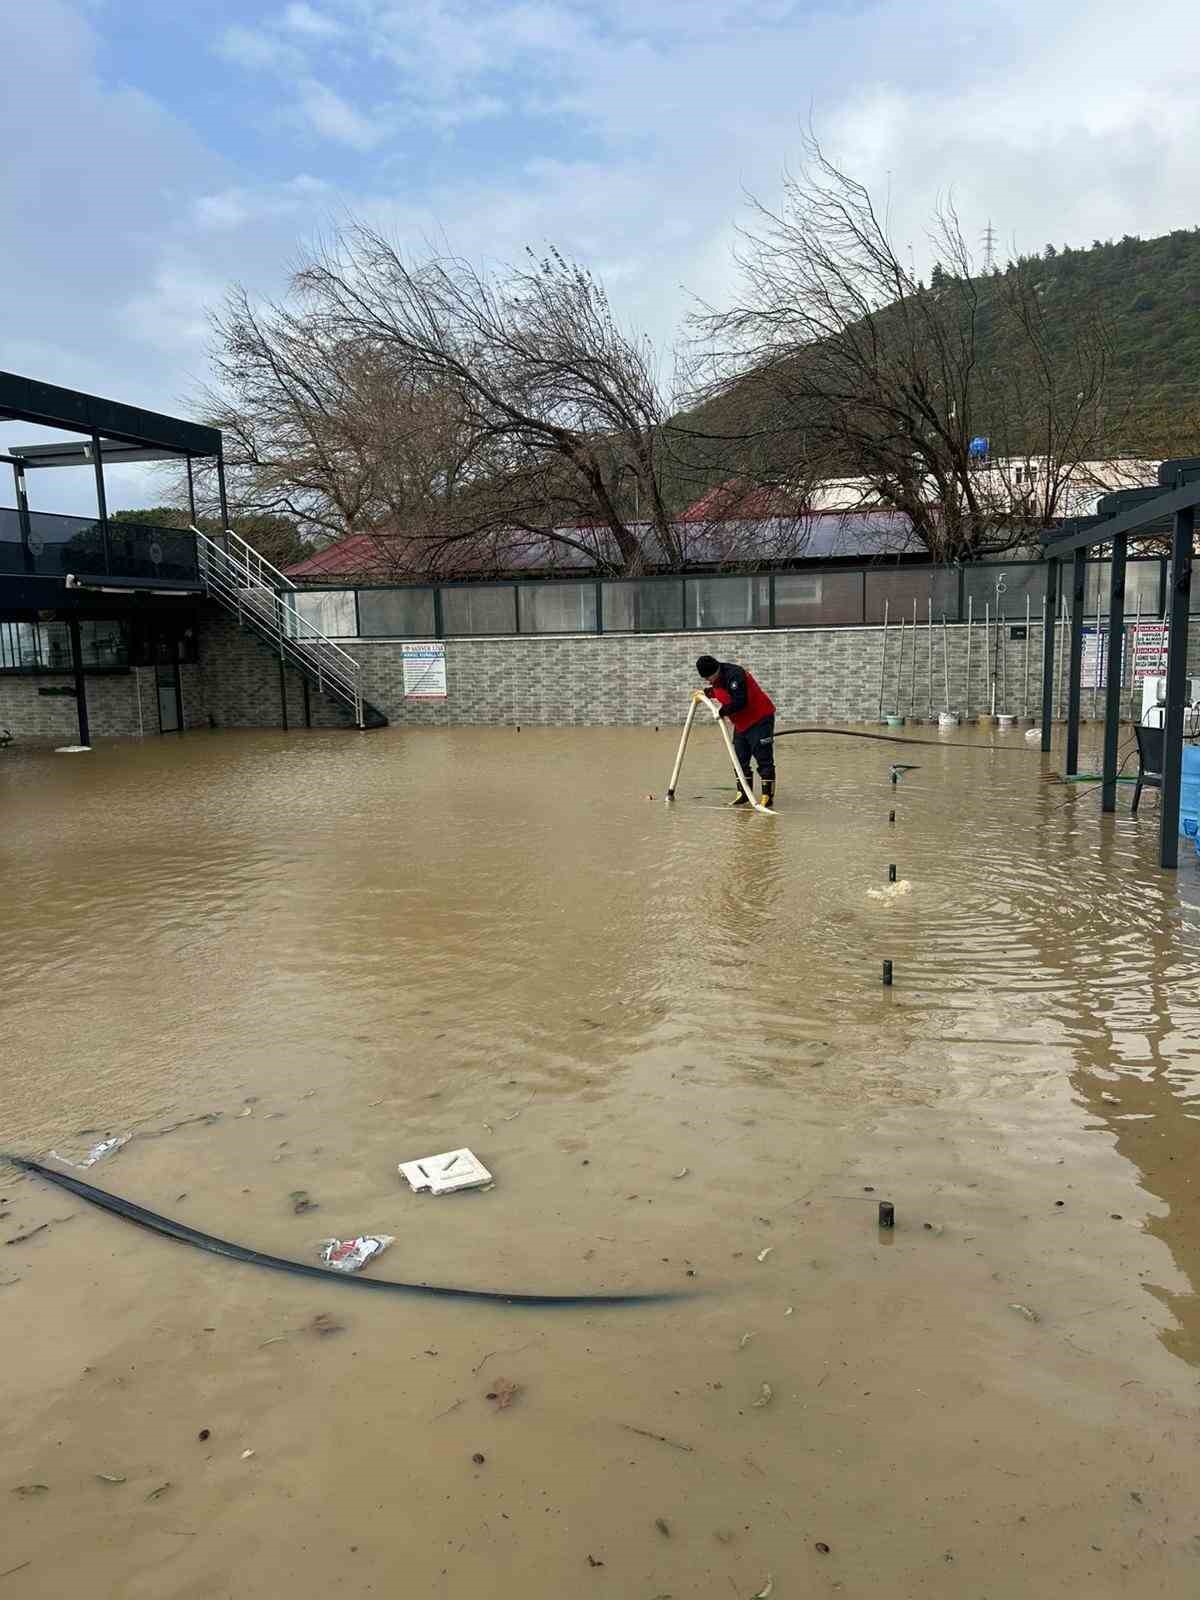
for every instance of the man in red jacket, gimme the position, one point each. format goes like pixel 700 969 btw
pixel 752 712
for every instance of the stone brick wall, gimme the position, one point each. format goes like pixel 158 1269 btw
pixel 238 682
pixel 813 674
pixel 112 706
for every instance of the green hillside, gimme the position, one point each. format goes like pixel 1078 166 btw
pixel 1143 293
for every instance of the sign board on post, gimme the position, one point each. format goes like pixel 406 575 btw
pixel 1149 640
pixel 1149 651
pixel 424 671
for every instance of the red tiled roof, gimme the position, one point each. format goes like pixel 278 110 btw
pixel 355 556
pixel 740 501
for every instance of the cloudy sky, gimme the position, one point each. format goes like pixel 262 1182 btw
pixel 155 151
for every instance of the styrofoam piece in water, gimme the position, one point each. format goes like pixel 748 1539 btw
pixel 455 1169
pixel 98 1151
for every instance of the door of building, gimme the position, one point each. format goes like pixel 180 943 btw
pixel 170 710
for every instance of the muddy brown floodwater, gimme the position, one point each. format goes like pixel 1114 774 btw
pixel 361 949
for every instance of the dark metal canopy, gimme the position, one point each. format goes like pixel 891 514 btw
pixel 1168 506
pixel 27 400
pixel 82 453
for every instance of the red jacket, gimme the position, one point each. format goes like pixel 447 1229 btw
pixel 739 691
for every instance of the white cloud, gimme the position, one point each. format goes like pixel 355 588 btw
pixel 300 18
pixel 623 131
pixel 224 210
pixel 334 118
pixel 254 50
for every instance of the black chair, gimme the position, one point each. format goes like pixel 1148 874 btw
pixel 1150 762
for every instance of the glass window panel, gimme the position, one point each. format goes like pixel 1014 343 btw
pixel 398 613
pixel 54 646
pixel 330 611
pixel 558 608
pixel 804 599
pixel 901 586
pixel 1141 582
pixel 645 606
pixel 482 609
pixel 1018 580
pixel 728 602
pixel 103 644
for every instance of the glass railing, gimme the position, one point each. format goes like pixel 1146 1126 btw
pixel 41 544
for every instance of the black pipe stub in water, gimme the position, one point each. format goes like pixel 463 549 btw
pixel 891 816
pixel 887 1214
pixel 887 974
pixel 892 872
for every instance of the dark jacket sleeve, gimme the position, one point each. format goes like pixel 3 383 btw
pixel 733 681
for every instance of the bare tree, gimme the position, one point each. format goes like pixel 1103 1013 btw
pixel 324 429
pixel 562 409
pixel 854 363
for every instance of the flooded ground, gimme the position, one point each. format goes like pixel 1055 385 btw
pixel 363 949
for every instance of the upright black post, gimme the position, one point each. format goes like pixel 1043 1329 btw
pixel 1179 597
pixel 101 500
pixel 1116 651
pixel 27 559
pixel 223 499
pixel 1078 592
pixel 191 483
pixel 1049 630
pixel 283 693
pixel 80 684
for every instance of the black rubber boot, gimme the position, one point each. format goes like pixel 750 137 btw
pixel 768 794
pixel 739 800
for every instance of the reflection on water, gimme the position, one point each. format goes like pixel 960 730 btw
pixel 177 909
pixel 443 933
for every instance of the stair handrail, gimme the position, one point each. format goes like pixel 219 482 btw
pixel 241 580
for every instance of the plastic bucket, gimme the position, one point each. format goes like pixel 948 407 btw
pixel 1189 791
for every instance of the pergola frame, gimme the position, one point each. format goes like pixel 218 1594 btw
pixel 1127 514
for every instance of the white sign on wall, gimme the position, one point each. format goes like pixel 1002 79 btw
pixel 424 671
pixel 1095 659
pixel 1149 641
pixel 1149 651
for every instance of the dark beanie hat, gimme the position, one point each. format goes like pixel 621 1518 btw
pixel 707 665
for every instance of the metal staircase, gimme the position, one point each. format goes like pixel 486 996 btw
pixel 258 595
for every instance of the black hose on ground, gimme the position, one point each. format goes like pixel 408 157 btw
pixel 301 1269
pixel 895 738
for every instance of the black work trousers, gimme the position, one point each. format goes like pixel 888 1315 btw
pixel 757 744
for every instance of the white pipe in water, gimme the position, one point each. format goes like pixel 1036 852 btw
pixel 1099 652
pixel 1137 628
pixel 883 656
pixel 1025 694
pixel 912 698
pixel 987 641
pixel 683 739
pixel 698 701
pixel 929 637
